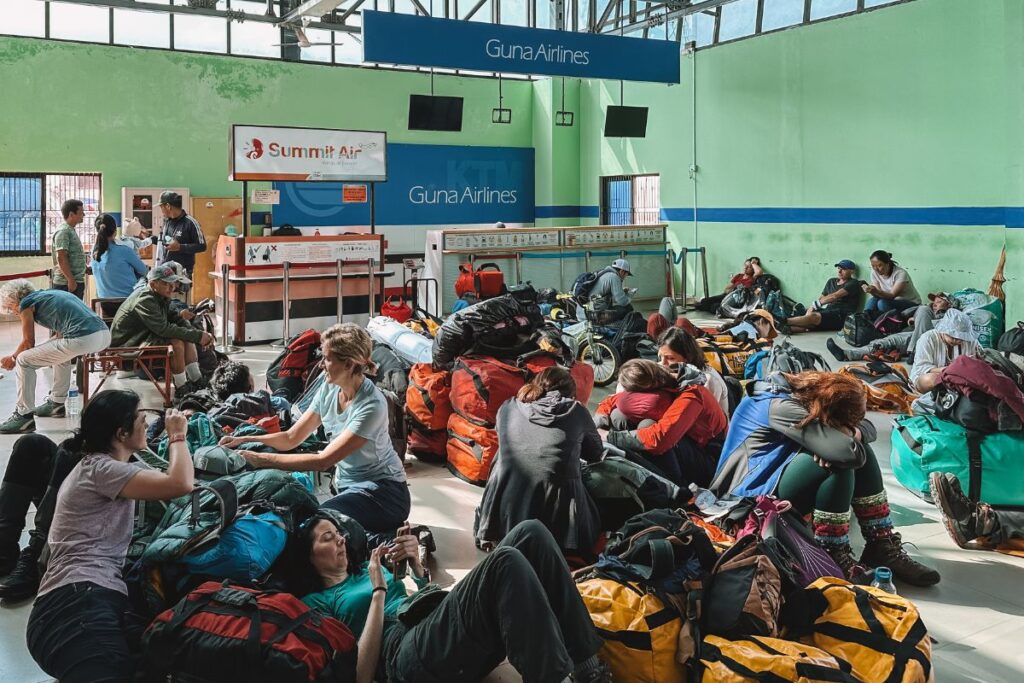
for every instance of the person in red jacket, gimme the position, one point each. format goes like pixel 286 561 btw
pixel 683 439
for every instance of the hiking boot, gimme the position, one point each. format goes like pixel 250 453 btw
pixel 964 519
pixel 18 423
pixel 836 350
pixel 50 409
pixel 23 582
pixel 889 552
pixel 598 673
pixel 843 556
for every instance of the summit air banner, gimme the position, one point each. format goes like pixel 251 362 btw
pixel 307 154
pixel 427 41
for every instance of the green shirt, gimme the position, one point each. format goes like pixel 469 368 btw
pixel 349 601
pixel 66 239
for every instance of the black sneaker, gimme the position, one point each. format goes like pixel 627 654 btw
pixel 964 519
pixel 836 350
pixel 23 582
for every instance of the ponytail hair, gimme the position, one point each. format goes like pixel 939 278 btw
pixel 547 380
pixel 882 256
pixel 108 412
pixel 106 228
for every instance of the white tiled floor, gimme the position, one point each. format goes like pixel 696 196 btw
pixel 976 614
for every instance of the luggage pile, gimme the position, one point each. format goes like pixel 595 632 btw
pixel 730 357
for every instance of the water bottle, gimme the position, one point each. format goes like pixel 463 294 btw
pixel 702 498
pixel 883 580
pixel 73 408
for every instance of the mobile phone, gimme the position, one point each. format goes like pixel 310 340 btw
pixel 402 566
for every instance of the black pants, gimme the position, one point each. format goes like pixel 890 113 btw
pixel 519 603
pixel 79 289
pixel 1011 526
pixel 39 464
pixel 76 634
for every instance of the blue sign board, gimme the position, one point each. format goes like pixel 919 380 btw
pixel 425 41
pixel 427 185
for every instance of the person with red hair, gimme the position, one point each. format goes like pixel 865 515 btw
pixel 806 440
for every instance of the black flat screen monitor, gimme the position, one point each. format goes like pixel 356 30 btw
pixel 625 122
pixel 435 112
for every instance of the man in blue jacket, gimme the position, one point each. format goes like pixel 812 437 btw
pixel 182 238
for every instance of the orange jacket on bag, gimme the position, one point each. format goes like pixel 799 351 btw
pixel 427 398
pixel 471 449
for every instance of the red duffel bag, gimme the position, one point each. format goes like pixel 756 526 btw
pixel 471 450
pixel 427 445
pixel 427 399
pixel 480 385
pixel 487 280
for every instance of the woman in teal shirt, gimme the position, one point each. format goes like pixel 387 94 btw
pixel 519 603
pixel 116 267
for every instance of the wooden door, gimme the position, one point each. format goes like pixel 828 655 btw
pixel 213 214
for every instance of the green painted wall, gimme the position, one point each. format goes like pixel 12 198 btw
pixel 76 107
pixel 557 148
pixel 917 105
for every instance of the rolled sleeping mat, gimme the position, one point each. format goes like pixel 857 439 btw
pixel 411 346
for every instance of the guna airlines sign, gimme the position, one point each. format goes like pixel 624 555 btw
pixel 297 154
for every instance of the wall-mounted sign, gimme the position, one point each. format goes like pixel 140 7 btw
pixel 407 39
pixel 353 194
pixel 455 240
pixel 266 197
pixel 612 236
pixel 276 153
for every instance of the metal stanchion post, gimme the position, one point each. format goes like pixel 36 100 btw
pixel 341 291
pixel 286 267
pixel 225 347
pixel 586 259
pixel 519 267
pixel 371 287
pixel 669 262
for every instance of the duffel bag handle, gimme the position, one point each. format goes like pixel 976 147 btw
pixel 225 493
pixel 485 266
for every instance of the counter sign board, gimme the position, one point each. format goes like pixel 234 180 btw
pixel 307 154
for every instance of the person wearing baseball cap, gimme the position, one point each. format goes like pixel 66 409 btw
pixel 758 324
pixel 839 298
pixel 146 317
pixel 182 237
pixel 609 296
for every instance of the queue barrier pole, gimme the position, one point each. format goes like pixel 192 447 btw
pixel 286 268
pixel 341 291
pixel 225 347
pixel 371 289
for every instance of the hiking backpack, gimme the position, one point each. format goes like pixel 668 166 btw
pixel 786 357
pixel 471 449
pixel 622 489
pixel 859 330
pixel 487 281
pixel 295 366
pixel 888 386
pixel 583 284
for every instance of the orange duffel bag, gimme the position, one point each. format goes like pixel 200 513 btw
pixel 427 445
pixel 471 450
pixel 427 398
pixel 480 385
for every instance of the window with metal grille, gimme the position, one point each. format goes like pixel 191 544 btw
pixel 30 209
pixel 631 200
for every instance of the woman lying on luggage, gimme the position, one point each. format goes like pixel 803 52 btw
pixel 543 433
pixel 370 477
pixel 76 629
pixel 519 603
pixel 806 441
pixel 683 425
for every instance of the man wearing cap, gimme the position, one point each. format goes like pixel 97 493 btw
pixel 758 324
pixel 146 317
pixel 182 238
pixel 952 336
pixel 839 298
pixel 896 346
pixel 611 297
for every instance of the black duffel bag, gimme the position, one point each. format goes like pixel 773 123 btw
pixel 1012 341
pixel 859 330
pixel 501 327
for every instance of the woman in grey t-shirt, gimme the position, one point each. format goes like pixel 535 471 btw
pixel 76 629
pixel 891 288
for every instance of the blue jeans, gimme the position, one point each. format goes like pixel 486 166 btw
pixel 380 506
pixel 876 305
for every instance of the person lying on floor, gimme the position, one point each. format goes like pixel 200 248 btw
pixel 987 526
pixel 745 278
pixel 951 337
pixel 758 324
pixel 369 476
pixel 839 298
pixel 77 331
pixel 808 442
pixel 683 438
pixel 902 344
pixel 519 603
pixel 76 631
pixel 543 435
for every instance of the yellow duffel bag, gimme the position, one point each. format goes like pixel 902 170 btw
pixel 880 634
pixel 769 659
pixel 640 633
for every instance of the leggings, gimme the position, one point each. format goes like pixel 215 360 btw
pixel 809 486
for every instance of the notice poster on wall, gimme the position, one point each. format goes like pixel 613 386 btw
pixel 326 252
pixel 307 154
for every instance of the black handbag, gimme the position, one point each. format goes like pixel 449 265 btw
pixel 859 330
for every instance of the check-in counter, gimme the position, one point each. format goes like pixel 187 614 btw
pixel 260 296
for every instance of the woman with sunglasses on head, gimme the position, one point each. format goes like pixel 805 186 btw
pixel 369 476
pixel 76 631
pixel 519 604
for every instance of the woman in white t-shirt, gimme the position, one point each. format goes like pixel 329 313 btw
pixel 369 474
pixel 891 288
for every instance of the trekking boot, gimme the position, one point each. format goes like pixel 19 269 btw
pixel 18 423
pixel 50 409
pixel 836 350
pixel 889 552
pixel 14 502
pixel 964 519
pixel 842 555
pixel 23 582
pixel 592 671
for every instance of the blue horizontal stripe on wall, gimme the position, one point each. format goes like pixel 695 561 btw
pixel 1012 217
pixel 567 211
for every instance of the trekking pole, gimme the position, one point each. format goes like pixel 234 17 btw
pixel 341 291
pixel 225 347
pixel 287 267
pixel 371 287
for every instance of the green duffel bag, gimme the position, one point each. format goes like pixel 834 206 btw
pixel 987 465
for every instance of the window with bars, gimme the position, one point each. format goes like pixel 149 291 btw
pixel 30 209
pixel 630 200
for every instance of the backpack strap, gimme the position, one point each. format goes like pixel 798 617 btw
pixel 974 440
pixel 226 495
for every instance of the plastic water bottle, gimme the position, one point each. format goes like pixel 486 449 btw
pixel 73 408
pixel 702 498
pixel 883 580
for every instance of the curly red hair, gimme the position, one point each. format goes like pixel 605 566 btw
pixel 838 401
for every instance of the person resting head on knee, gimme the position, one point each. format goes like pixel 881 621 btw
pixel 953 336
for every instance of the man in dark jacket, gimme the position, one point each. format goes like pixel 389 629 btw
pixel 182 238
pixel 146 317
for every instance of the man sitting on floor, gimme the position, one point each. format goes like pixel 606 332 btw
pixel 896 346
pixel 146 317
pixel 839 298
pixel 952 336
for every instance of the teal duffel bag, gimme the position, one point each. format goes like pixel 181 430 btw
pixel 990 467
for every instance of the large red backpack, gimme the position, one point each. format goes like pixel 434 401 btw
pixel 295 366
pixel 471 449
pixel 480 384
pixel 487 280
pixel 233 634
